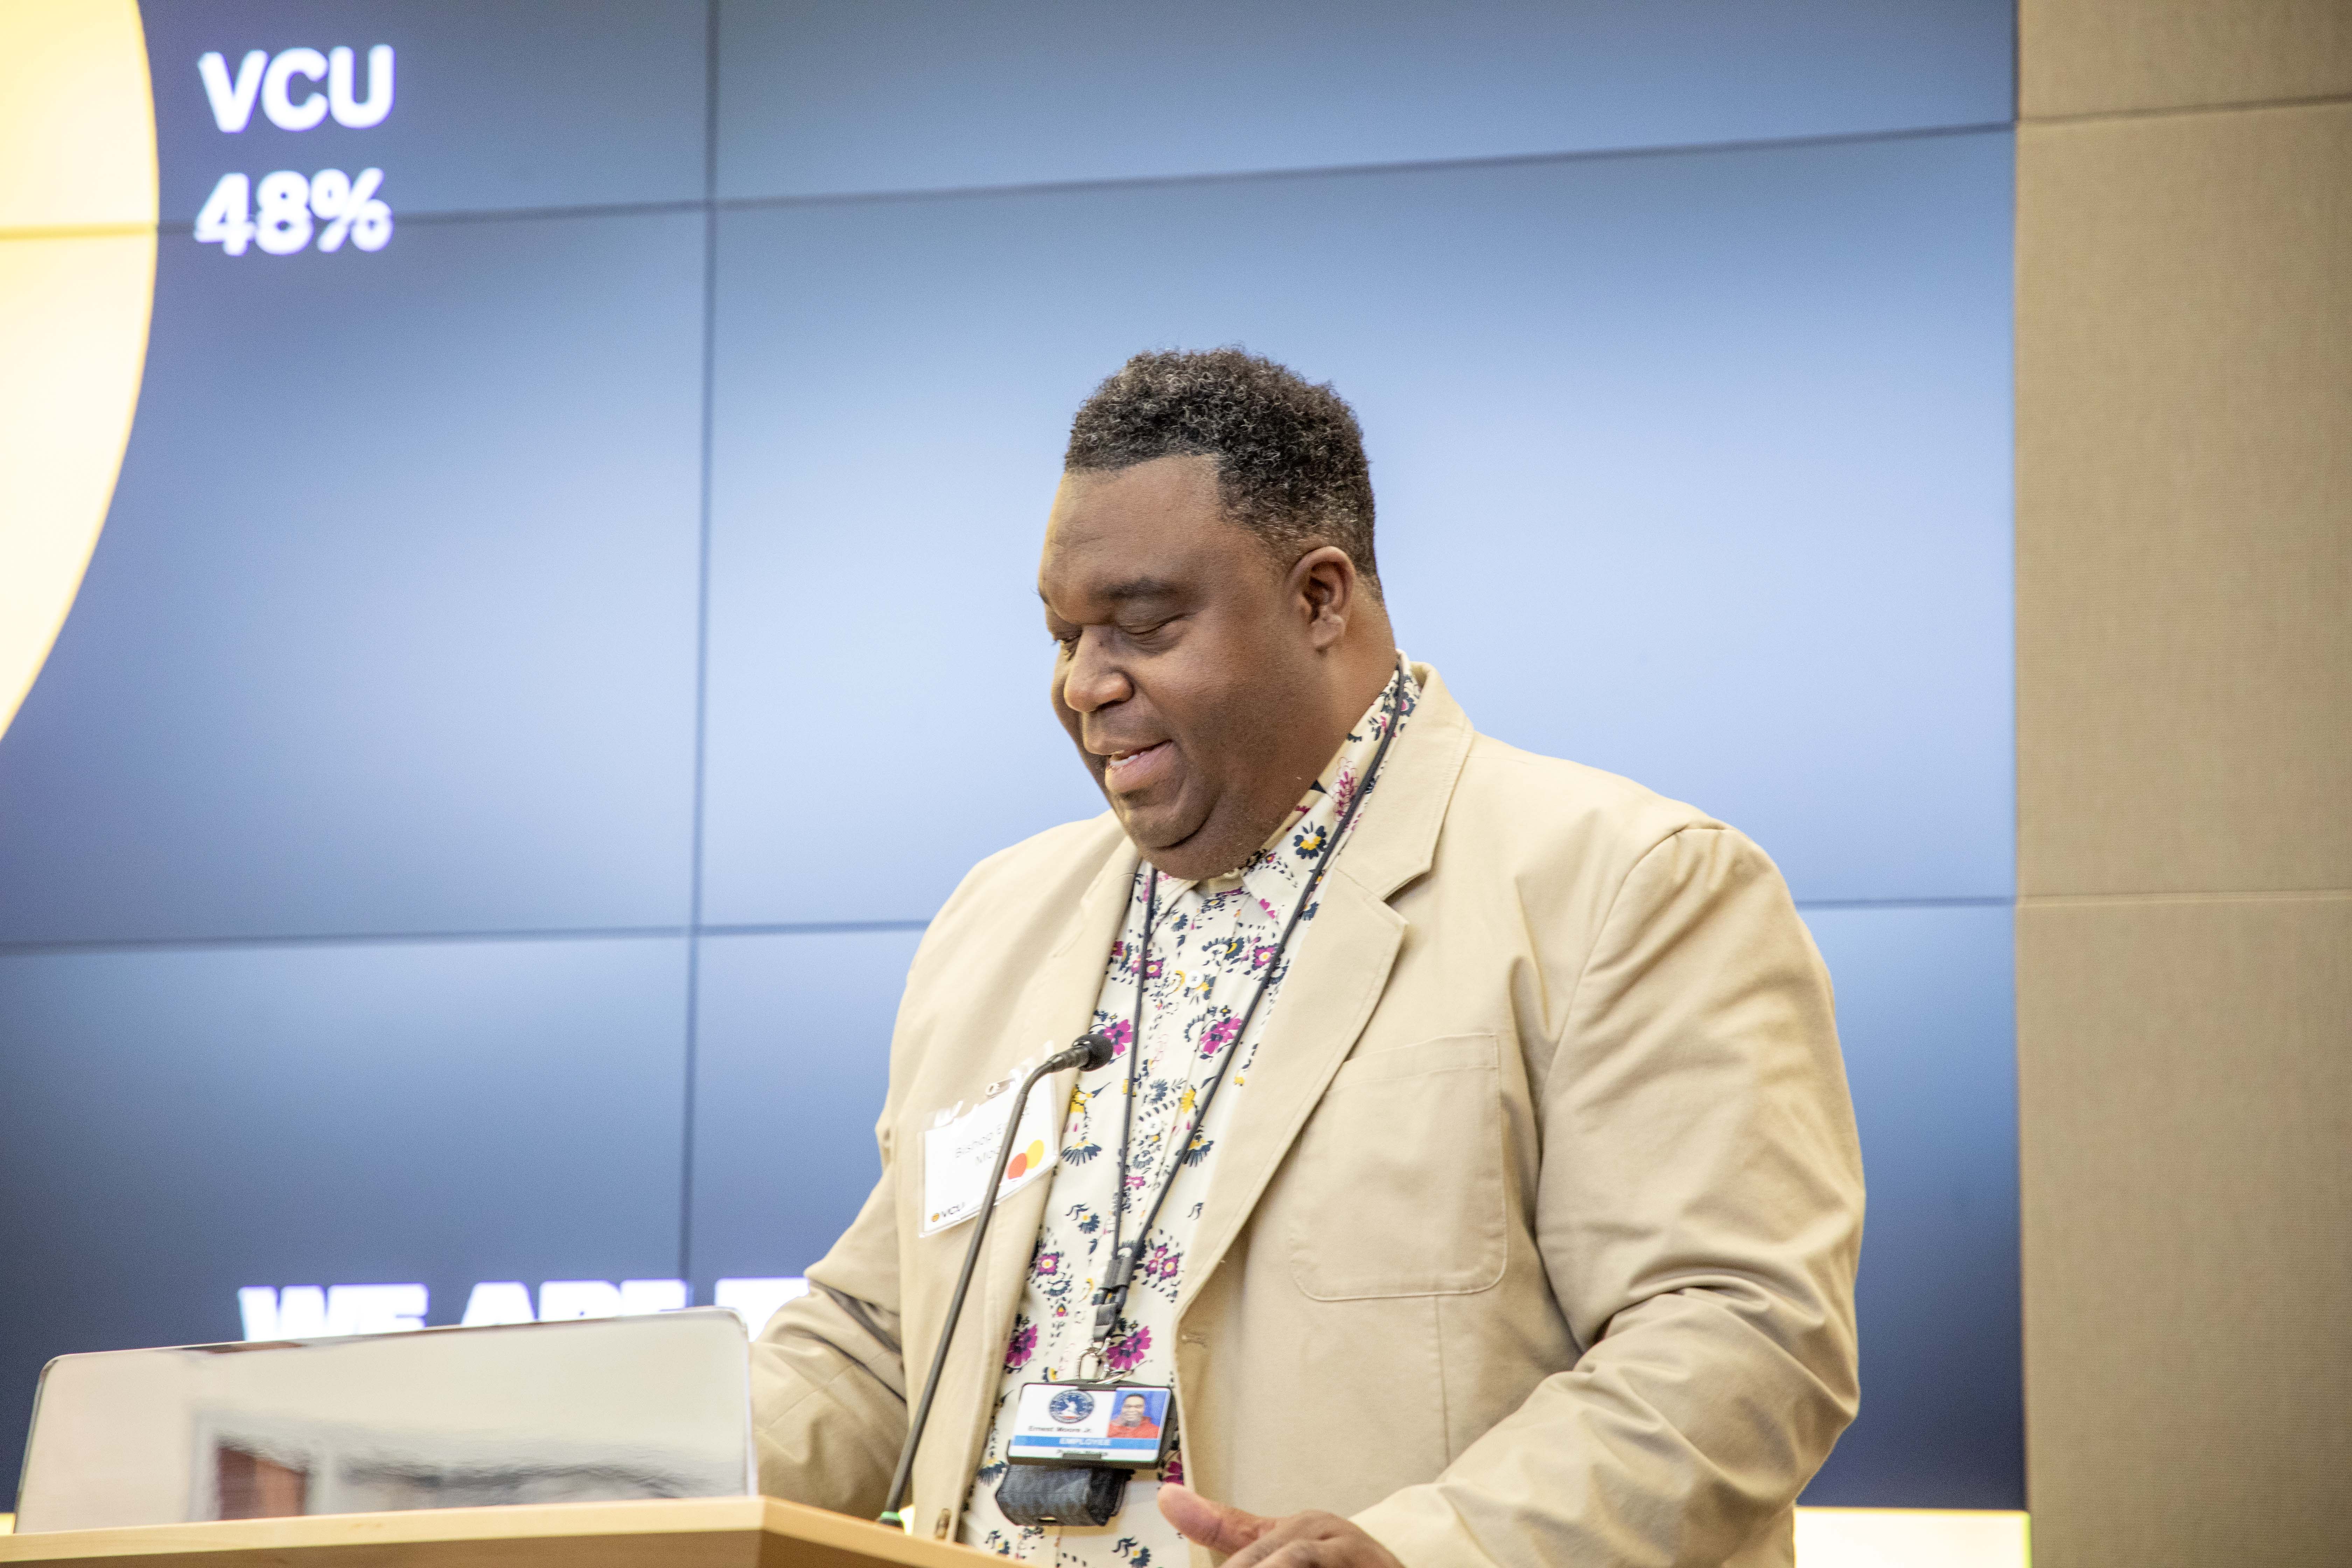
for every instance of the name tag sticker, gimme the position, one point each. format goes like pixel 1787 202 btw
pixel 958 1152
pixel 1090 1423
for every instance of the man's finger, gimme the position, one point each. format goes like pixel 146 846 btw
pixel 1212 1524
pixel 1313 1540
pixel 1306 1551
pixel 1282 1545
pixel 1278 1539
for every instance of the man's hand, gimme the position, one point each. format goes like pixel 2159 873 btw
pixel 1309 1539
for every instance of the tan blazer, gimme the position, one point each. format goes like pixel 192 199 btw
pixel 1532 1240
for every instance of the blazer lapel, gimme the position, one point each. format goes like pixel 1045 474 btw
pixel 1337 976
pixel 1328 994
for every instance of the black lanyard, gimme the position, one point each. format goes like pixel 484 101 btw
pixel 1110 1298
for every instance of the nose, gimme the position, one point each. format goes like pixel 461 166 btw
pixel 1093 681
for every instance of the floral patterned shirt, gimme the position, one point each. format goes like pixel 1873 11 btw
pixel 1210 941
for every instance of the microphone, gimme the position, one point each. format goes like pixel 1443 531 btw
pixel 1086 1052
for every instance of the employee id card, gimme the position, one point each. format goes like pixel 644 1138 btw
pixel 1121 1424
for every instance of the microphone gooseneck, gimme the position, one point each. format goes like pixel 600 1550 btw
pixel 1088 1052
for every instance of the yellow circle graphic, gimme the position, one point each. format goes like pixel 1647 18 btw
pixel 78 209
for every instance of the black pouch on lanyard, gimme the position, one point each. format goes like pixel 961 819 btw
pixel 1061 1494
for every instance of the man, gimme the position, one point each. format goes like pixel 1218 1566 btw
pixel 1478 1134
pixel 1134 1419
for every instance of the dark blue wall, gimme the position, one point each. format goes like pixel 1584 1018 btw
pixel 478 815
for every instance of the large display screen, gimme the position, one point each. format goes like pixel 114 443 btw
pixel 565 616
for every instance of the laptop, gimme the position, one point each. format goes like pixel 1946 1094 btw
pixel 596 1410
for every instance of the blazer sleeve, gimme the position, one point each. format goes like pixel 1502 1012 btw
pixel 1699 1213
pixel 828 1379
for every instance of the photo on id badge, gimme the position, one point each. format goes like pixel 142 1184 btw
pixel 1095 1424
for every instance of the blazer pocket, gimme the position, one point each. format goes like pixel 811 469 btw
pixel 1396 1186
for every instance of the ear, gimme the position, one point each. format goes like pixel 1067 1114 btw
pixel 1323 586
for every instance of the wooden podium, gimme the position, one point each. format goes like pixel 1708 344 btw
pixel 684 1532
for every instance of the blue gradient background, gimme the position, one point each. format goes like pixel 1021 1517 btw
pixel 536 681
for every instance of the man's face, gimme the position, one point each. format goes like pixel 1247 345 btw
pixel 1184 668
pixel 1132 1409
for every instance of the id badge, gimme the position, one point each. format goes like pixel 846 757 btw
pixel 960 1149
pixel 1121 1424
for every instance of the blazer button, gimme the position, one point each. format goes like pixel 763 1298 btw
pixel 939 1531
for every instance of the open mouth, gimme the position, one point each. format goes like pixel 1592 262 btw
pixel 1132 770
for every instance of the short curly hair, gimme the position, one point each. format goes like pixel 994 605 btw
pixel 1289 454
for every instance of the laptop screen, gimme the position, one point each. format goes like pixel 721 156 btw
pixel 591 1410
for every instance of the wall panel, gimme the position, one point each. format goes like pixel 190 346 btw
pixel 2185 692
pixel 2109 57
pixel 1692 468
pixel 520 104
pixel 831 97
pixel 792 1060
pixel 392 626
pixel 2184 392
pixel 180 1123
pixel 2187 1125
pixel 1925 1016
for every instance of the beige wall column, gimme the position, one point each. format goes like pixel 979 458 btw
pixel 2184 638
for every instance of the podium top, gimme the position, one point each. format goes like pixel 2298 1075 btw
pixel 663 1532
